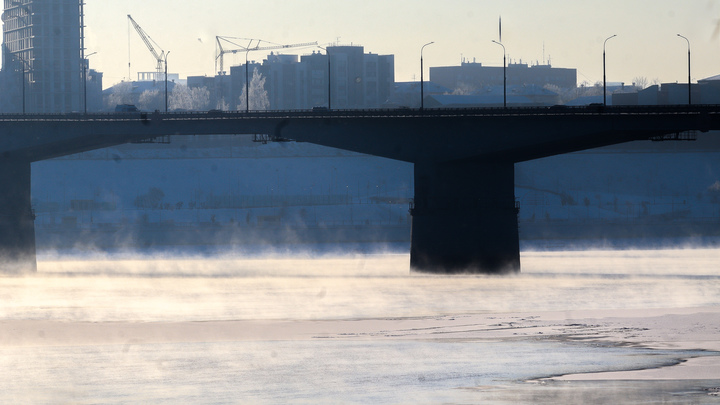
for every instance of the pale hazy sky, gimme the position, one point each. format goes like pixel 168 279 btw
pixel 572 32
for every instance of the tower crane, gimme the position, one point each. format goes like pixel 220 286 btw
pixel 159 57
pixel 252 45
pixel 220 51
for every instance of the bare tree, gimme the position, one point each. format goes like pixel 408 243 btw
pixel 641 82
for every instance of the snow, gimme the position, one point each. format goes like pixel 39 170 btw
pixel 298 183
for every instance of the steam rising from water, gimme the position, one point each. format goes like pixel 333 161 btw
pixel 125 288
pixel 134 290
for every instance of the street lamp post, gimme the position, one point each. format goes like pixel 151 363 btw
pixel 604 78
pixel 166 82
pixel 689 80
pixel 22 81
pixel 85 66
pixel 327 51
pixel 247 83
pixel 24 64
pixel 504 74
pixel 422 85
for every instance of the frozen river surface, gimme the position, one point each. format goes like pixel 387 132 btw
pixel 391 365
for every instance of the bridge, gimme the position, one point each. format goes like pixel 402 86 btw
pixel 464 216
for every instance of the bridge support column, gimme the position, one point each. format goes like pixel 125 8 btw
pixel 464 219
pixel 17 220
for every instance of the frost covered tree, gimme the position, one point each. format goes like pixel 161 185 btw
pixel 189 99
pixel 566 95
pixel 151 100
pixel 464 89
pixel 258 95
pixel 121 94
pixel 222 105
pixel 587 90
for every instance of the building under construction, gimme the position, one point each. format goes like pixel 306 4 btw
pixel 43 57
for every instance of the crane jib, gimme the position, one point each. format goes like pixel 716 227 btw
pixel 221 51
pixel 159 57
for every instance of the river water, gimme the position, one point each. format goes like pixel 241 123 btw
pixel 121 290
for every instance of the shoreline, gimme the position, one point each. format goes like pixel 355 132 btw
pixel 681 329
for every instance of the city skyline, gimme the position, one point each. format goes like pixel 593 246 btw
pixel 566 33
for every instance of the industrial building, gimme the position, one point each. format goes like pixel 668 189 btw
pixel 473 76
pixel 705 91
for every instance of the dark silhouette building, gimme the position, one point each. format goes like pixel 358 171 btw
pixel 358 80
pixel 43 57
pixel 470 76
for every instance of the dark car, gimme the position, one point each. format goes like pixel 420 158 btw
pixel 126 108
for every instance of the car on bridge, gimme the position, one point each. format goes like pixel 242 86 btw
pixel 126 108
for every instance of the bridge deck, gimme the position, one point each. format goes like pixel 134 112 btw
pixel 373 113
pixel 464 217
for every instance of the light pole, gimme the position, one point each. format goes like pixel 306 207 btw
pixel 327 52
pixel 604 78
pixel 24 64
pixel 166 82
pixel 504 74
pixel 247 83
pixel 85 66
pixel 22 81
pixel 689 85
pixel 422 85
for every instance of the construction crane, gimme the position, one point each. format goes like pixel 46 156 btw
pixel 252 45
pixel 159 57
pixel 220 51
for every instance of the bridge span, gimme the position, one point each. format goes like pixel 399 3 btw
pixel 464 217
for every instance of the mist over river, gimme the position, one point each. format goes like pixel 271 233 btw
pixel 332 329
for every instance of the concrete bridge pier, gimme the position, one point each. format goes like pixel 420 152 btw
pixel 17 219
pixel 464 218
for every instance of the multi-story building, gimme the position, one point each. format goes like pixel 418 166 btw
pixel 358 80
pixel 315 79
pixel 93 90
pixel 283 75
pixel 43 56
pixel 470 76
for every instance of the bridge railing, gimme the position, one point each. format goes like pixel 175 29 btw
pixel 366 113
